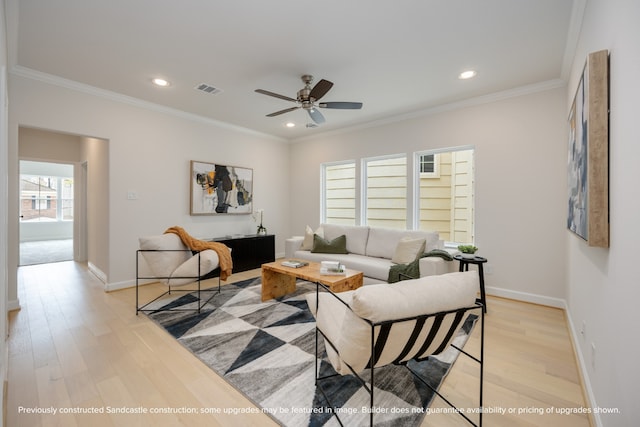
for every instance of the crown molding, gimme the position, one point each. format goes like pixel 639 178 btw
pixel 31 74
pixel 573 36
pixel 471 102
pixel 118 97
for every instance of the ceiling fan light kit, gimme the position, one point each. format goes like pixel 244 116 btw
pixel 307 98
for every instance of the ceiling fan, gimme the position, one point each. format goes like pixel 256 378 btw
pixel 308 98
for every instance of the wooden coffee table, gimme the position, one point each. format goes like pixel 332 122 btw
pixel 278 280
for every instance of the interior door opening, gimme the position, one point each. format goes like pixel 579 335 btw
pixel 46 212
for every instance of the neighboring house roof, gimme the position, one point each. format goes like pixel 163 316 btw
pixel 32 187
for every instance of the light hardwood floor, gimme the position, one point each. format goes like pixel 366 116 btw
pixel 74 346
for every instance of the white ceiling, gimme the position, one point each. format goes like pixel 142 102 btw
pixel 396 57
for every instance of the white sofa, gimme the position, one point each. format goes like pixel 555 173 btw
pixel 371 249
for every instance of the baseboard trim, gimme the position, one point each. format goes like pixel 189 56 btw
pixel 582 368
pixel 110 287
pixel 97 272
pixel 527 297
pixel 5 388
pixel 5 384
pixel 13 304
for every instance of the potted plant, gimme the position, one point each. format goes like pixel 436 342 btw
pixel 468 251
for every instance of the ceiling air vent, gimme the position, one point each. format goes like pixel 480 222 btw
pixel 208 89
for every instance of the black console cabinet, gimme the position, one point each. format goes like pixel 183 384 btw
pixel 250 251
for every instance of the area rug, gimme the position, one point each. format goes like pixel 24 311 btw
pixel 266 350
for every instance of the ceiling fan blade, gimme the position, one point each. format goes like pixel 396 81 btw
pixel 266 92
pixel 316 115
pixel 341 105
pixel 286 110
pixel 320 89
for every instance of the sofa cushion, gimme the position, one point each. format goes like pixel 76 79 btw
pixel 431 266
pixel 382 242
pixel 375 268
pixel 307 243
pixel 164 262
pixel 332 318
pixel 408 250
pixel 425 295
pixel 357 236
pixel 319 257
pixel 325 246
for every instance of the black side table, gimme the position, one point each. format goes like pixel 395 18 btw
pixel 479 261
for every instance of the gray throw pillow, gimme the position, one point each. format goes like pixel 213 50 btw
pixel 335 246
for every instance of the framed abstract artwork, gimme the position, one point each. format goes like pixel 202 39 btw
pixel 220 189
pixel 588 162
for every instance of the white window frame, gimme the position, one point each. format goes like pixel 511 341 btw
pixel 413 176
pixel 436 165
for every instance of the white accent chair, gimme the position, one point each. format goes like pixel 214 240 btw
pixel 384 324
pixel 165 259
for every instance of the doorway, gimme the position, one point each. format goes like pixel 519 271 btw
pixel 46 212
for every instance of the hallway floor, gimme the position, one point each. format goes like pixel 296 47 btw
pixel 46 251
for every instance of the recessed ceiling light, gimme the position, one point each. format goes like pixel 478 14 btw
pixel 467 74
pixel 160 82
pixel 290 124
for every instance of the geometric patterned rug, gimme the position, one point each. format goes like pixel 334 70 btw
pixel 266 350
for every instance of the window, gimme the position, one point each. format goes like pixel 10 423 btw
pixel 441 197
pixel 386 191
pixel 339 189
pixel 429 166
pixel 40 204
pixel 46 197
pixel 445 201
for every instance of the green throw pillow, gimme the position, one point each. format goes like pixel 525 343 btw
pixel 335 246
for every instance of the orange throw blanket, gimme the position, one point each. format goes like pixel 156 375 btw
pixel 224 254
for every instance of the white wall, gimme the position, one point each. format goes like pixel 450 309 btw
pixel 603 285
pixel 149 151
pixel 520 149
pixel 95 157
pixel 38 144
pixel 38 231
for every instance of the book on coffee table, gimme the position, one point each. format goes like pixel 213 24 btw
pixel 332 268
pixel 294 263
